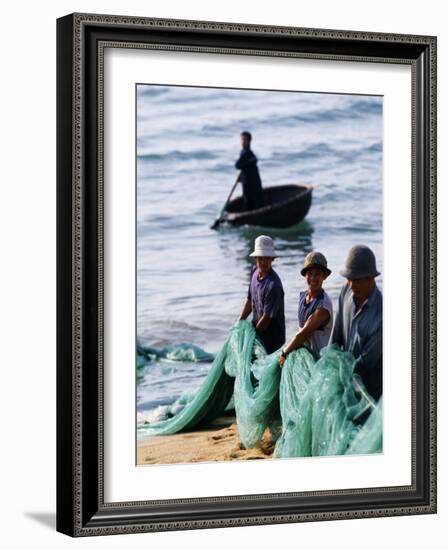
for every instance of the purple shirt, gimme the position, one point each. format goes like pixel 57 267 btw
pixel 267 296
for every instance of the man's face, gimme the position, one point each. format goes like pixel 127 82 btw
pixel 314 278
pixel 361 288
pixel 264 264
pixel 245 141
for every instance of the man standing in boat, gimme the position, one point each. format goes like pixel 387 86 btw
pixel 358 327
pixel 265 297
pixel 249 175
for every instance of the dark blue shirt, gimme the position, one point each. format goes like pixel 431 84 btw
pixel 267 296
pixel 250 179
pixel 360 331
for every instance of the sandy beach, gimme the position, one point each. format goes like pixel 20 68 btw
pixel 218 441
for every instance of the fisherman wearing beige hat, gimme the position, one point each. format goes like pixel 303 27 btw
pixel 315 310
pixel 358 326
pixel 265 297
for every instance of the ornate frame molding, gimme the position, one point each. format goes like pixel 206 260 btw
pixel 81 42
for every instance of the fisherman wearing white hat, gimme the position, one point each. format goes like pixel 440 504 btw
pixel 358 326
pixel 315 311
pixel 265 297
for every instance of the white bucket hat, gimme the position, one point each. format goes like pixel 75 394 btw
pixel 264 246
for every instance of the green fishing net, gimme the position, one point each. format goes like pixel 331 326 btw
pixel 321 403
pixel 181 352
pixel 209 402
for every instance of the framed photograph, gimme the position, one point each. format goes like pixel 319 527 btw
pixel 246 274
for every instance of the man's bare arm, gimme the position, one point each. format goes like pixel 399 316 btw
pixel 246 311
pixel 314 322
pixel 263 323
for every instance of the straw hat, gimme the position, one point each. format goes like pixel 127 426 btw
pixel 315 260
pixel 264 246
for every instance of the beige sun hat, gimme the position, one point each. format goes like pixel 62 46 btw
pixel 315 260
pixel 264 246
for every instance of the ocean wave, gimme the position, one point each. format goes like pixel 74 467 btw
pixel 185 353
pixel 198 154
pixel 163 412
pixel 185 94
pixel 314 151
pixel 375 147
pixel 355 110
pixel 151 90
pixel 221 129
pixel 319 150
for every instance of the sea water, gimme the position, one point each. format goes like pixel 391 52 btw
pixel 192 281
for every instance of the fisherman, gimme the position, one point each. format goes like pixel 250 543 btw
pixel 358 326
pixel 315 310
pixel 249 175
pixel 265 297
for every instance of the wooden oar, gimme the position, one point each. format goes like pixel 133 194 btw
pixel 220 219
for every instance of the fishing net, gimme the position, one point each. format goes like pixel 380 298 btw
pixel 209 402
pixel 181 352
pixel 322 407
pixel 322 404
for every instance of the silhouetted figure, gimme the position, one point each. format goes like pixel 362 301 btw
pixel 250 177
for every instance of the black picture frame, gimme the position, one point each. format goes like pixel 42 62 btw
pixel 81 509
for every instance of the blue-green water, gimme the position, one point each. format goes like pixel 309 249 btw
pixel 192 281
